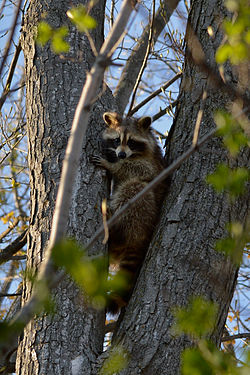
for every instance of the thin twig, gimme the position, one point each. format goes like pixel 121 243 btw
pixel 164 111
pixel 2 7
pixel 10 228
pixel 91 43
pixel 112 8
pixel 12 68
pixel 144 64
pixel 8 44
pixel 10 294
pixel 155 93
pixel 199 118
pixel 234 337
pixel 7 282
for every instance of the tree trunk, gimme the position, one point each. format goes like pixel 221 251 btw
pixel 181 261
pixel 62 343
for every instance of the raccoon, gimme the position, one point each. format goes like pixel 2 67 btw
pixel 133 158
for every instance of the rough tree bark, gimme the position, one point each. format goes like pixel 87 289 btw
pixel 181 261
pixel 62 343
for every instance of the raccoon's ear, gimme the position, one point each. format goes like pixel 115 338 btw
pixel 112 119
pixel 145 122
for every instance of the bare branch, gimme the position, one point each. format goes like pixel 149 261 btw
pixel 134 62
pixel 8 44
pixel 155 93
pixel 234 337
pixel 7 253
pixel 144 63
pixel 10 294
pixel 164 111
pixel 199 118
pixel 7 282
pixel 10 228
pixel 13 64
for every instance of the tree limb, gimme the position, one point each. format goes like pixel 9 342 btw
pixel 144 63
pixel 8 44
pixel 134 62
pixel 7 253
pixel 155 93
pixel 234 337
pixel 13 64
pixel 10 228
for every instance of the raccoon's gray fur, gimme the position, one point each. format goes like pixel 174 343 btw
pixel 133 160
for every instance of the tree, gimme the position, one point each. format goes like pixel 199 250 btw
pixel 193 217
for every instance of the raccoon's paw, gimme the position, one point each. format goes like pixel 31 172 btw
pixel 96 160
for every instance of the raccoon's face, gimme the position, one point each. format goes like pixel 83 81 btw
pixel 126 138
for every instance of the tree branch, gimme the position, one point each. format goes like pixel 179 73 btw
pixel 144 63
pixel 155 93
pixel 234 337
pixel 134 62
pixel 7 253
pixel 10 228
pixel 162 112
pixel 13 64
pixel 8 44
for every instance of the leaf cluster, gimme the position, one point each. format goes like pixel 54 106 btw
pixel 230 180
pixel 89 273
pixel 237 47
pixel 207 359
pixel 78 16
pixel 198 320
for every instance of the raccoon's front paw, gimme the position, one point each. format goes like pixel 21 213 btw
pixel 96 160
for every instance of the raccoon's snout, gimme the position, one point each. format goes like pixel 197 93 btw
pixel 122 155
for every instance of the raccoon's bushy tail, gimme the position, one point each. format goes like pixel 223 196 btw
pixel 124 281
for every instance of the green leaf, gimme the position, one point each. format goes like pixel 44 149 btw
pixel 89 274
pixel 234 244
pixel 116 361
pixel 44 33
pixel 226 245
pixel 207 359
pixel 236 48
pixel 223 53
pixel 81 19
pixel 58 43
pixel 194 364
pixel 240 53
pixel 247 37
pixel 7 329
pixel 197 319
pixel 231 180
pixel 233 135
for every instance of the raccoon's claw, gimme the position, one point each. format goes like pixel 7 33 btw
pixel 96 160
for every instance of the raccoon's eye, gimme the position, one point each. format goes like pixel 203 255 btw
pixel 116 142
pixel 136 145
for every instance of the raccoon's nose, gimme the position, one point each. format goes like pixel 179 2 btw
pixel 122 155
